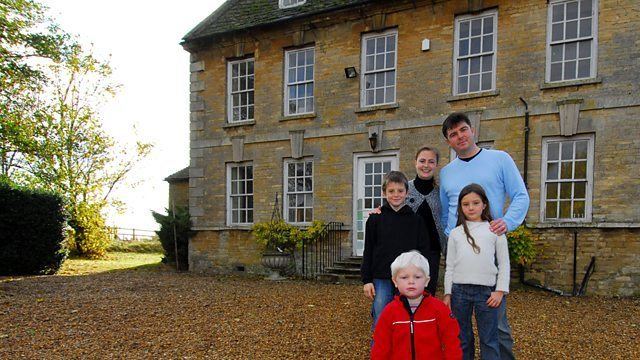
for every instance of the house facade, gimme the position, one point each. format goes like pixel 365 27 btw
pixel 316 100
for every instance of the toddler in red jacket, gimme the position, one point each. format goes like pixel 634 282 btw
pixel 415 325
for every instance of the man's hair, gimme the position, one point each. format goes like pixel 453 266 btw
pixel 405 259
pixel 452 120
pixel 396 177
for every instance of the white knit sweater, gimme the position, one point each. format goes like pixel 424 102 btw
pixel 466 267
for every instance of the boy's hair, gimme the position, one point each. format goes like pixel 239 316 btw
pixel 485 215
pixel 405 259
pixel 429 148
pixel 452 120
pixel 396 177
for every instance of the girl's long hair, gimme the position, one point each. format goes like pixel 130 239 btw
pixel 485 215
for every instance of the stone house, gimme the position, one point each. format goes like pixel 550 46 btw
pixel 178 188
pixel 316 100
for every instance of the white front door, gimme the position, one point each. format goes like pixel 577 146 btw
pixel 367 192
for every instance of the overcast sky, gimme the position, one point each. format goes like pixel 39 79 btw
pixel 142 37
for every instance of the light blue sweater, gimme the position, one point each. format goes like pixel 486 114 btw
pixel 496 172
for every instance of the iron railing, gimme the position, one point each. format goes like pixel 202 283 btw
pixel 323 251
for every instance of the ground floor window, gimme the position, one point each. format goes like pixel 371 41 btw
pixel 298 191
pixel 567 173
pixel 240 193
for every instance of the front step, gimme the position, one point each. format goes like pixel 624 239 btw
pixel 343 271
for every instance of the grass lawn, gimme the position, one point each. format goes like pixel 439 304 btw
pixel 113 261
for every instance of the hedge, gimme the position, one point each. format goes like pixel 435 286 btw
pixel 182 225
pixel 32 227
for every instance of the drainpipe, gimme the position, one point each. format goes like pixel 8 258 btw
pixel 526 143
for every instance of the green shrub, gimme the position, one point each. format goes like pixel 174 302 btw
pixel 273 235
pixel 152 246
pixel 90 237
pixel 521 247
pixel 32 232
pixel 182 226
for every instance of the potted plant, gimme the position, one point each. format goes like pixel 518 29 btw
pixel 280 239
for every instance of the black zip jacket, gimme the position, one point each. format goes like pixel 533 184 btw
pixel 388 235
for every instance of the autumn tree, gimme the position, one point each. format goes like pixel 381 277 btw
pixel 29 40
pixel 76 157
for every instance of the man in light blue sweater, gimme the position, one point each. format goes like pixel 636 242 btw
pixel 496 172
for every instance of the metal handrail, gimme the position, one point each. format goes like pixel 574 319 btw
pixel 323 251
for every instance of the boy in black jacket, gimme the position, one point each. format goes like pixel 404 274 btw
pixel 395 230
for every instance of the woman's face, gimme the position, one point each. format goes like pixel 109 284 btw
pixel 426 164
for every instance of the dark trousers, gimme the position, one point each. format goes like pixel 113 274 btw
pixel 434 269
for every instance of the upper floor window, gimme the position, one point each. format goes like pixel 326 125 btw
pixel 571 40
pixel 291 3
pixel 240 194
pixel 567 173
pixel 475 53
pixel 298 194
pixel 379 59
pixel 240 80
pixel 299 67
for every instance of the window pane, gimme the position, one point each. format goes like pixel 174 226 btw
pixel 572 30
pixel 379 96
pixel 390 94
pixel 487 43
pixel 462 84
pixel 565 190
pixel 474 83
pixel 556 53
pixel 558 13
pixel 367 191
pixel 475 45
pixel 308 184
pixel 487 63
pixel 380 44
pixel 463 48
pixel 581 149
pixel 570 70
pixel 369 63
pixel 488 25
pixel 557 32
pixel 486 81
pixel 552 191
pixel 556 72
pixel 390 78
pixel 565 170
pixel 377 167
pixel 391 60
pixel 551 210
pixel 581 170
pixel 585 27
pixel 578 210
pixel 308 215
pixel 567 150
pixel 570 51
pixel 584 68
pixel 565 209
pixel 476 27
pixel 580 190
pixel 552 171
pixel 386 167
pixel 572 10
pixel 464 29
pixel 309 73
pixel 584 49
pixel 475 65
pixel 585 8
pixel 370 45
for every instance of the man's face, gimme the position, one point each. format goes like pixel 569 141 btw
pixel 460 138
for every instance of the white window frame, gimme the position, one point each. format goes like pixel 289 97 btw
pixel 293 3
pixel 590 138
pixel 230 196
pixel 304 192
pixel 494 52
pixel 364 72
pixel 230 92
pixel 594 41
pixel 287 111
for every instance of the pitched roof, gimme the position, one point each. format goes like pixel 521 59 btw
pixel 236 15
pixel 178 176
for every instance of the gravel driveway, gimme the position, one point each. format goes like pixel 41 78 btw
pixel 161 314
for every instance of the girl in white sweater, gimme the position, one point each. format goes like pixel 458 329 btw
pixel 472 281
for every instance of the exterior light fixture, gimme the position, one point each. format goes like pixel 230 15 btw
pixel 350 72
pixel 373 141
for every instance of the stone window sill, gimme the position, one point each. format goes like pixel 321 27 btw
pixel 377 108
pixel 298 117
pixel 608 225
pixel 562 84
pixel 473 96
pixel 239 123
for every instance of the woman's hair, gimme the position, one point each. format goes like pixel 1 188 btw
pixel 429 148
pixel 405 259
pixel 396 177
pixel 485 215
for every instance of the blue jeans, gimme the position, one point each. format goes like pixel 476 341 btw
pixel 384 294
pixel 465 300
pixel 504 332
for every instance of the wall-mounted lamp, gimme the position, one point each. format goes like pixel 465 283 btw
pixel 373 141
pixel 350 72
